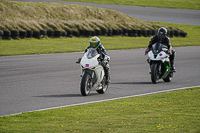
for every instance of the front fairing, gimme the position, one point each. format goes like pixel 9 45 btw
pixel 162 56
pixel 90 59
pixel 157 53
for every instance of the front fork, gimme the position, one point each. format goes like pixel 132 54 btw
pixel 158 65
pixel 92 77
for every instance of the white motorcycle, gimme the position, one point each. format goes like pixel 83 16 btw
pixel 93 75
pixel 159 63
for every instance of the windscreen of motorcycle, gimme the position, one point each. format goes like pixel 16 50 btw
pixel 92 52
pixel 157 48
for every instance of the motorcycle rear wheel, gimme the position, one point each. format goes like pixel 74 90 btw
pixel 154 73
pixel 169 77
pixel 85 84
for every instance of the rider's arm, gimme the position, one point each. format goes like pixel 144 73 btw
pixel 103 50
pixel 105 56
pixel 152 41
pixel 87 49
pixel 168 43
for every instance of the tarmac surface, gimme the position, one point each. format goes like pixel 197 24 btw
pixel 33 82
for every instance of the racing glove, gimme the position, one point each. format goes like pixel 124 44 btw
pixel 169 52
pixel 146 51
pixel 104 63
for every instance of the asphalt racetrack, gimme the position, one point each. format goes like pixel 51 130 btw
pixel 33 82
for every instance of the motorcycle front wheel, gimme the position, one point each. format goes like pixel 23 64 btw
pixel 154 73
pixel 85 84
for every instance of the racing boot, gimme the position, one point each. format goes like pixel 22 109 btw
pixel 107 73
pixel 173 67
pixel 172 61
pixel 107 78
pixel 148 61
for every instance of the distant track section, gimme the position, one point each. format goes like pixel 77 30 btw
pixel 153 14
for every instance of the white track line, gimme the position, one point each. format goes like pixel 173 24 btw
pixel 109 99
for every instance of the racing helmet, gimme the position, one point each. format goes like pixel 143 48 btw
pixel 162 32
pixel 94 42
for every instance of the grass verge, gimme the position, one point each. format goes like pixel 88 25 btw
pixel 77 44
pixel 176 111
pixel 180 4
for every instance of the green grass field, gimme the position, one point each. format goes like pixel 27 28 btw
pixel 170 112
pixel 180 4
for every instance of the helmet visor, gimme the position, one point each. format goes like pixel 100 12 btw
pixel 94 44
pixel 161 35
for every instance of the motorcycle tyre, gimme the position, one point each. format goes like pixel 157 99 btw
pixel 104 89
pixel 168 78
pixel 85 82
pixel 154 73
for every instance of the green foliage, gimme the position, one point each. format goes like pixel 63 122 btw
pixel 176 111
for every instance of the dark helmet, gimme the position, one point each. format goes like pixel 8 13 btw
pixel 162 32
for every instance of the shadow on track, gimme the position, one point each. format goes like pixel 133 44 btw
pixel 65 95
pixel 132 83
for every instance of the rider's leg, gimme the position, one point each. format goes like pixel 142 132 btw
pixel 149 66
pixel 107 74
pixel 172 59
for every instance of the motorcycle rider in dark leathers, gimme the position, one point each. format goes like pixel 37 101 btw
pixel 95 43
pixel 163 39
